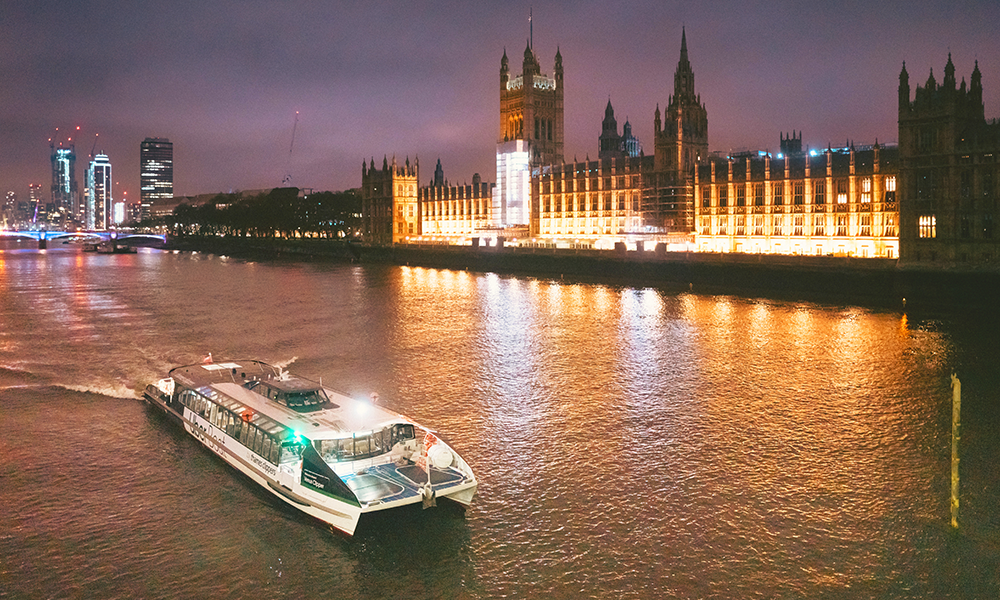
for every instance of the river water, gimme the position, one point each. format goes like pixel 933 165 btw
pixel 630 442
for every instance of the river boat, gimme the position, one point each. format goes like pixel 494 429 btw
pixel 109 247
pixel 323 452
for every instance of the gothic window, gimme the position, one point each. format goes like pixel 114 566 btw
pixel 758 225
pixel 890 189
pixel 537 134
pixel 819 225
pixel 621 201
pixel 706 196
pixel 965 185
pixel 798 193
pixel 723 195
pixel 866 190
pixel 722 225
pixel 865 225
pixel 889 225
pixel 927 226
pixel 841 192
pixel 842 225
pixel 778 227
pixel 741 195
pixel 819 192
pixel 778 193
pixel 705 225
pixel 740 225
pixel 607 201
pixel 548 130
pixel 798 225
pixel 758 194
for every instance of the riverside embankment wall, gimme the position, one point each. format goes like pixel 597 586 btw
pixel 882 282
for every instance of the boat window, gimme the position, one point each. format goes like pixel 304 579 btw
pixel 290 452
pixel 402 432
pixel 305 401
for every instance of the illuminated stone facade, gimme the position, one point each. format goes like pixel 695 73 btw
pixel 836 202
pixel 592 203
pixel 389 202
pixel 949 172
pixel 455 212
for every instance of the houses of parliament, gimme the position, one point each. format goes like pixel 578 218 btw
pixel 929 200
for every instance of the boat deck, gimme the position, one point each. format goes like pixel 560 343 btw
pixel 390 482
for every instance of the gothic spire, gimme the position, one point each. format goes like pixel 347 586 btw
pixel 684 76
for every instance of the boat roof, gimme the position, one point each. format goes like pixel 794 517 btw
pixel 236 385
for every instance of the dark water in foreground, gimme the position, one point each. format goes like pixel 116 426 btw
pixel 631 443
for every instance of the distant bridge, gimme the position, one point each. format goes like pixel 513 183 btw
pixel 85 236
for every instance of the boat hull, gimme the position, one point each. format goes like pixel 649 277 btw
pixel 341 515
pixel 377 485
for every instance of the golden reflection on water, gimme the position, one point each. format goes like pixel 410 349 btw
pixel 791 407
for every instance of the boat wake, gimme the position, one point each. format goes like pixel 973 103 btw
pixel 119 390
pixel 284 364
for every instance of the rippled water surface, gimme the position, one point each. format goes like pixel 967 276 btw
pixel 630 443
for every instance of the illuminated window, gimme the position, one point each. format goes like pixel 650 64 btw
pixel 741 225
pixel 722 226
pixel 927 226
pixel 818 225
pixel 866 190
pixel 705 225
pixel 890 183
pixel 865 225
pixel 798 225
pixel 778 225
pixel 758 225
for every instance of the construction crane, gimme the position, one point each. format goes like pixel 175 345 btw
pixel 288 175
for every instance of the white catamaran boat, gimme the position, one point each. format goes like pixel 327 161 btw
pixel 325 453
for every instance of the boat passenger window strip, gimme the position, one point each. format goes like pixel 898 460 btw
pixel 363 446
pixel 260 434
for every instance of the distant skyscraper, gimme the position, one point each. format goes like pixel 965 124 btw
pixel 64 185
pixel 99 201
pixel 156 172
pixel 35 204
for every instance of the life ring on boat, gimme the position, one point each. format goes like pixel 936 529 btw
pixel 440 456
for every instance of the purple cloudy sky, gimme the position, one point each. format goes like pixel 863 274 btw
pixel 223 78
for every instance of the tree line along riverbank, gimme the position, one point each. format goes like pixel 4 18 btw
pixel 869 281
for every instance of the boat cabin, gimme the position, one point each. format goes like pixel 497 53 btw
pixel 297 394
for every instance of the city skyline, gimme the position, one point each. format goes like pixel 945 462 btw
pixel 224 82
